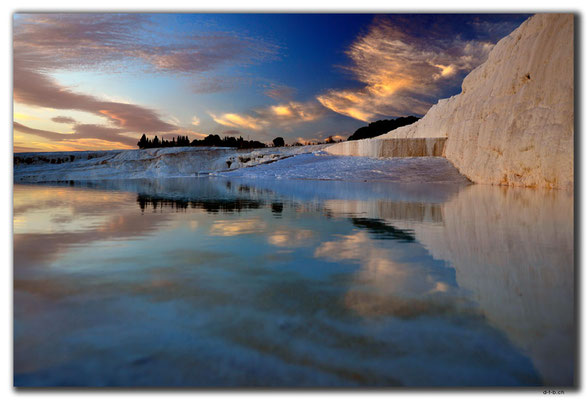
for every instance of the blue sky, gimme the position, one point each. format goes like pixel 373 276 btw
pixel 99 81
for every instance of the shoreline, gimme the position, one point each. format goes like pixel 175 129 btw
pixel 304 162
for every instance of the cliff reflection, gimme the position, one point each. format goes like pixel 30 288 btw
pixel 511 249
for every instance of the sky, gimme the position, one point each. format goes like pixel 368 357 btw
pixel 99 81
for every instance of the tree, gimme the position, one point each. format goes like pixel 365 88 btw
pixel 278 142
pixel 381 127
pixel 143 142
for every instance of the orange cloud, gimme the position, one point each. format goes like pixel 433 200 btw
pixel 37 89
pixel 402 73
pixel 82 131
pixel 282 115
pixel 238 121
pixel 293 111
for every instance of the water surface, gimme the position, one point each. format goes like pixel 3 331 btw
pixel 215 282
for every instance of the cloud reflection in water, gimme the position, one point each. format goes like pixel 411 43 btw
pixel 380 285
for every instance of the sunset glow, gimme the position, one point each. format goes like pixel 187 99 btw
pixel 99 81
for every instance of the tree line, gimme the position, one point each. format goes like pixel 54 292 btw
pixel 372 130
pixel 209 141
pixel 146 143
pixel 215 141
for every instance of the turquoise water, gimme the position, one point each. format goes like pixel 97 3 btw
pixel 215 282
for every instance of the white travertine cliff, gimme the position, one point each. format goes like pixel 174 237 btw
pixel 512 124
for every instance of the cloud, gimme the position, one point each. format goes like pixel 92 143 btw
pixel 280 92
pixel 111 40
pixel 239 121
pixel 39 132
pixel 91 131
pixel 195 121
pixel 81 131
pixel 63 120
pixel 280 115
pixel 38 89
pixel 202 53
pixel 402 71
pixel 292 112
pixel 24 149
pixel 47 43
pixel 215 84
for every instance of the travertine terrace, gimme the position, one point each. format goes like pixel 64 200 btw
pixel 513 122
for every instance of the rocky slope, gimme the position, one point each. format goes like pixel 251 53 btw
pixel 150 163
pixel 513 122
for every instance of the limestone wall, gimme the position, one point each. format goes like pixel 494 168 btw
pixel 395 147
pixel 513 123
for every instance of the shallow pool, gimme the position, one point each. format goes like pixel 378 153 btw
pixel 216 282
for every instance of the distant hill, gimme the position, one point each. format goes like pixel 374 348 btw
pixel 382 126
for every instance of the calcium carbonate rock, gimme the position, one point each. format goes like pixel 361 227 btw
pixel 148 163
pixel 395 147
pixel 513 123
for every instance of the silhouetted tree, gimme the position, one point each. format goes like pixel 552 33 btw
pixel 278 142
pixel 381 127
pixel 143 142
